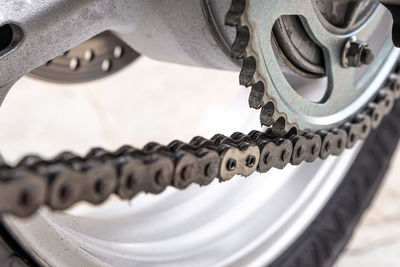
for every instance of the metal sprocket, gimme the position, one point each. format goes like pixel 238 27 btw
pixel 348 91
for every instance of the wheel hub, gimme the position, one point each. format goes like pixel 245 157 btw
pixel 298 49
pixel 343 16
pixel 96 58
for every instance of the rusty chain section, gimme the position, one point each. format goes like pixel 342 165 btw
pixel 67 179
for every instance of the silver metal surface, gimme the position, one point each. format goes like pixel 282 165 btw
pixel 49 29
pixel 180 31
pixel 93 59
pixel 343 16
pixel 187 32
pixel 348 90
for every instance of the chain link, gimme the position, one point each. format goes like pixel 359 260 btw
pixel 67 179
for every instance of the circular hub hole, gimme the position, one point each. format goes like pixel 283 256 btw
pixel 10 37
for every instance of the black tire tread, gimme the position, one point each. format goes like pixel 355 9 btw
pixel 324 240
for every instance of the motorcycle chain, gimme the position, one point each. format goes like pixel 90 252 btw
pixel 67 179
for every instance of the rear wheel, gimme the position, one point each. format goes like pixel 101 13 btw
pixel 300 214
pixel 323 239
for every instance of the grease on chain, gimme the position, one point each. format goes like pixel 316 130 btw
pixel 67 179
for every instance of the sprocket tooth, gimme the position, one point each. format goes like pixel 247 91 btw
pixel 267 114
pixel 278 127
pixel 248 71
pixel 241 42
pixel 235 12
pixel 256 95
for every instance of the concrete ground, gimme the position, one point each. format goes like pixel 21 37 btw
pixel 46 118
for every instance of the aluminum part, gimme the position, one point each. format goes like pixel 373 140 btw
pixel 96 58
pixel 51 27
pixel 186 32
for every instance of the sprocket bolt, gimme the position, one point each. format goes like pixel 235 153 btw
pixel 356 54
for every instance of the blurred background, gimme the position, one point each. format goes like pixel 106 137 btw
pixel 131 107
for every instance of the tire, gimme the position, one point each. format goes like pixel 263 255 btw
pixel 325 238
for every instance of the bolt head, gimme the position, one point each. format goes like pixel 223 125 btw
pixel 356 54
pixel 366 56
